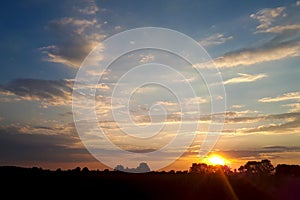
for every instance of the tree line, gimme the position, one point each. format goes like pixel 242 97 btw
pixel 251 168
pixel 260 168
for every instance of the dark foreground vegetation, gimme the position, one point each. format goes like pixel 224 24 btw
pixel 253 181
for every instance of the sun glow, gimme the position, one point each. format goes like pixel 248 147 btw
pixel 216 160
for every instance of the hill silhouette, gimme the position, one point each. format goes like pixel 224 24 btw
pixel 201 181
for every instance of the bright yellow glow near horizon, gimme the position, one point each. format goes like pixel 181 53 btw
pixel 216 160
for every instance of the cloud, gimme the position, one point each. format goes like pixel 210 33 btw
pixel 117 28
pixel 265 53
pixel 284 97
pixel 283 23
pixel 243 119
pixel 167 103
pixel 146 90
pixel 91 8
pixel 260 153
pixel 294 107
pixel 281 28
pixel 49 92
pixel 277 20
pixel 195 101
pixel 74 37
pixel 238 106
pixel 288 123
pixel 297 3
pixel 78 25
pixel 267 16
pixel 245 78
pixel 147 58
pixel 289 127
pixel 275 119
pixel 215 39
pixel 57 129
pixel 17 147
pixel 282 148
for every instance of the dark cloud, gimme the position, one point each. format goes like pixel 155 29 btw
pixel 240 154
pixel 270 151
pixel 283 148
pixel 288 121
pixel 44 128
pixel 275 147
pixel 243 119
pixel 17 146
pixel 284 116
pixel 50 92
pixel 291 125
pixel 141 150
pixel 75 37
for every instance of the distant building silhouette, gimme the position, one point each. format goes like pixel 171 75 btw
pixel 142 168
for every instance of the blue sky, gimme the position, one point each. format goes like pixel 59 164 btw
pixel 254 44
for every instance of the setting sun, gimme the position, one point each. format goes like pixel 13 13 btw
pixel 216 160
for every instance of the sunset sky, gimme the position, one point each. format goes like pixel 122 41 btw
pixel 254 44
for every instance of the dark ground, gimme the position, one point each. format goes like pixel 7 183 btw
pixel 35 183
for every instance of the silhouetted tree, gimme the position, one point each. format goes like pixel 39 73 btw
pixel 287 170
pixel 242 169
pixel 77 169
pixel 266 167
pixel 85 170
pixel 260 168
pixel 199 168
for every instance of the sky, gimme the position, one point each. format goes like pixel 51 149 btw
pixel 255 46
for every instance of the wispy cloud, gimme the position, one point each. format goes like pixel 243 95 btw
pixel 294 107
pixel 78 25
pixel 261 153
pixel 281 28
pixel 265 124
pixel 215 39
pixel 75 37
pixel 277 20
pixel 267 16
pixel 245 78
pixel 288 127
pixel 196 101
pixel 284 97
pixel 237 106
pixel 48 92
pixel 285 123
pixel 147 58
pixel 283 23
pixel 90 8
pixel 258 55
